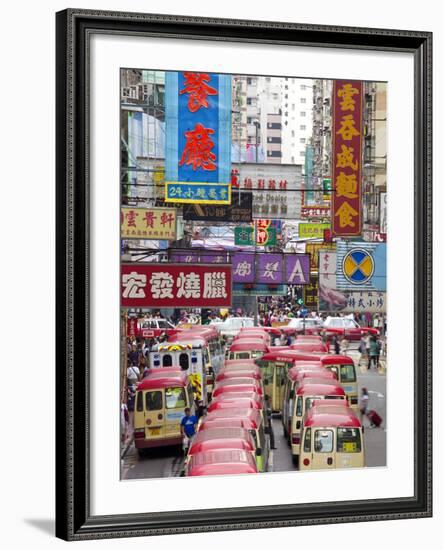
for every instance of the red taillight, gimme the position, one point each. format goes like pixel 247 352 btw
pixel 306 462
pixel 139 434
pixel 148 421
pixel 354 400
pixel 295 439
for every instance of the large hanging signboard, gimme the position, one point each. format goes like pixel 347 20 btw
pixel 333 299
pixel 347 129
pixel 276 189
pixel 148 223
pixel 198 138
pixel 175 285
pixel 361 266
pixel 240 210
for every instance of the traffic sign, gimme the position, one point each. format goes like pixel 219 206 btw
pixel 303 312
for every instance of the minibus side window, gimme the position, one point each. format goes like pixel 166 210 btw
pixel 184 361
pixel 299 410
pixel 347 373
pixel 139 404
pixel 244 355
pixel 167 360
pixel 154 401
pixel 307 443
pixel 334 369
pixel 175 398
pixel 323 441
pixel 348 440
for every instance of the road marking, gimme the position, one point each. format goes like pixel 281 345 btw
pixel 379 395
pixel 271 461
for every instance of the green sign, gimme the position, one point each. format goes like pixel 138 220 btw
pixel 312 230
pixel 244 236
pixel 266 237
pixel 327 188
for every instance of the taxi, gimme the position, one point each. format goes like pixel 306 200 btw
pixel 332 437
pixel 255 332
pixel 310 347
pixel 309 390
pixel 222 462
pixel 160 401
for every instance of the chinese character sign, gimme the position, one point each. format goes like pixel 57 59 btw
pixel 175 285
pixel 347 130
pixel 243 267
pixel 270 269
pixel 148 223
pixel 312 230
pixel 198 138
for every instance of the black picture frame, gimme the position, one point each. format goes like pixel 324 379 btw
pixel 74 30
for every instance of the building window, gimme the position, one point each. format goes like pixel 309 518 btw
pixel 292 133
pixel 268 79
pixel 302 100
pixel 293 160
pixel 249 101
pixel 302 127
pixel 303 87
pixel 302 113
pixel 302 153
pixel 249 120
pixel 302 140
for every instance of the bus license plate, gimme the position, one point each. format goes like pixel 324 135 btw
pixel 154 431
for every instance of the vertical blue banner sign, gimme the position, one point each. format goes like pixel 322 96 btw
pixel 198 138
pixel 309 167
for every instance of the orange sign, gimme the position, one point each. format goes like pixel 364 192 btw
pixel 347 158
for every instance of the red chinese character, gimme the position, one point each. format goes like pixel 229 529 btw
pixel 197 151
pixel 261 183
pixel 234 177
pixel 149 218
pixel 283 184
pixel 167 218
pixel 131 218
pixel 248 183
pixel 198 90
pixel 271 184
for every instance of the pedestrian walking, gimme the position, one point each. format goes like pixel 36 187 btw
pixel 373 353
pixel 188 428
pixel 344 346
pixel 364 403
pixel 133 375
pixel 131 407
pixel 335 344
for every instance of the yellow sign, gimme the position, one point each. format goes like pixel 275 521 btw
pixel 312 230
pixel 148 223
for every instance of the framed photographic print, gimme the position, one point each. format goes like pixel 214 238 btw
pixel 243 274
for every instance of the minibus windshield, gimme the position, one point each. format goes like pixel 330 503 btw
pixel 175 398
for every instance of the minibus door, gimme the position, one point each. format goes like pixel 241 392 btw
pixel 323 446
pixel 154 413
